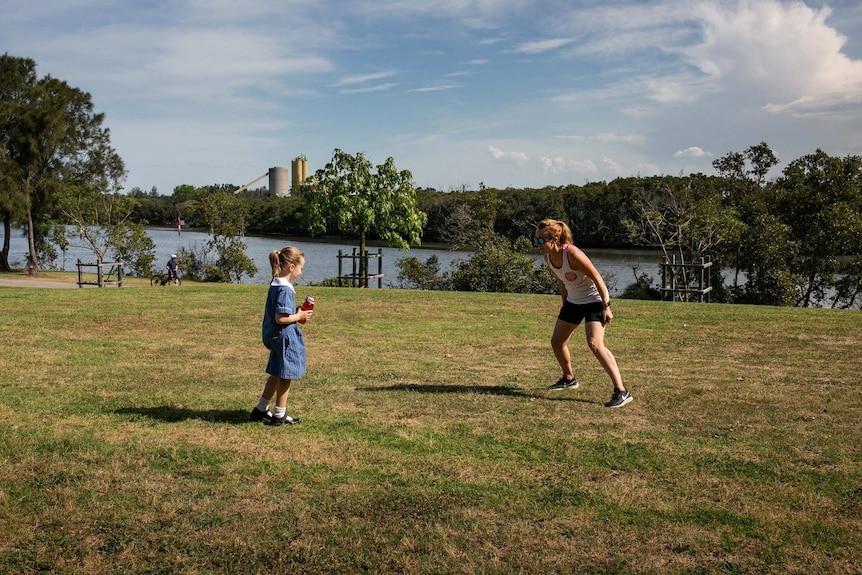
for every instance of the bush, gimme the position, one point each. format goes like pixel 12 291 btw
pixel 194 262
pixel 499 266
pixel 641 289
pixel 495 265
pixel 413 274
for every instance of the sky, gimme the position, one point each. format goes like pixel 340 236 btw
pixel 462 93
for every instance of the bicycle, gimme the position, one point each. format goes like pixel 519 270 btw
pixel 161 279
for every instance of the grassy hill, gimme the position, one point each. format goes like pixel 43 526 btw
pixel 429 443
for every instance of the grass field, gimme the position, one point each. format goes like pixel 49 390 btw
pixel 429 443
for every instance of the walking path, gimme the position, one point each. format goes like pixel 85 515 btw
pixel 9 282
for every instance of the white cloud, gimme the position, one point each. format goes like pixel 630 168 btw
pixel 783 56
pixel 439 88
pixel 692 152
pixel 498 154
pixel 369 89
pixel 363 78
pixel 612 166
pixel 539 46
pixel 559 165
pixel 609 138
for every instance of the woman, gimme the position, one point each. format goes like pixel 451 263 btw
pixel 585 298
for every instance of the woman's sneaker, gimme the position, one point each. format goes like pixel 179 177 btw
pixel 619 398
pixel 564 383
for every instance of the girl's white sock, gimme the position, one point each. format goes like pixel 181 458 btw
pixel 263 404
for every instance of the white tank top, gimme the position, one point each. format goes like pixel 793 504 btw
pixel 580 289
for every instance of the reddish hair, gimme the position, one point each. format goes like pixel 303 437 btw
pixel 557 228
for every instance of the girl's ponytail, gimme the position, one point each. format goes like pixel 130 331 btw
pixel 275 263
pixel 280 259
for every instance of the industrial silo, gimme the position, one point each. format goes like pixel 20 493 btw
pixel 299 166
pixel 279 181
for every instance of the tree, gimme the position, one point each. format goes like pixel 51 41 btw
pixel 102 221
pixel 470 220
pixel 364 200
pixel 683 217
pixel 17 77
pixel 52 141
pixel 819 199
pixel 756 249
pixel 225 217
pixel 760 159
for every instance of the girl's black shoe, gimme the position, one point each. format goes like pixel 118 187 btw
pixel 258 415
pixel 286 420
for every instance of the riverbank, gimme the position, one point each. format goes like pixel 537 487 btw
pixel 322 257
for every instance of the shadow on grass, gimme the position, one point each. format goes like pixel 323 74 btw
pixel 170 414
pixel 474 389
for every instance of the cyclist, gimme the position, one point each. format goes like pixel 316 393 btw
pixel 173 267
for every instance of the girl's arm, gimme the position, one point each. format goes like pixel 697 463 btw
pixel 287 318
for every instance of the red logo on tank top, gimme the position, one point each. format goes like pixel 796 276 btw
pixel 571 276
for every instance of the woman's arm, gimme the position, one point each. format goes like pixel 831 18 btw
pixel 579 260
pixel 563 291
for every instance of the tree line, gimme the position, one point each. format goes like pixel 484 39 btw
pixel 795 239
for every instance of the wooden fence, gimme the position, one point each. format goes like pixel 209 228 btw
pixel 113 277
pixel 354 279
pixel 686 281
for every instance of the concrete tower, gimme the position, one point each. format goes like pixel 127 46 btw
pixel 299 167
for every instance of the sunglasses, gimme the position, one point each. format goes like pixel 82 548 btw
pixel 542 241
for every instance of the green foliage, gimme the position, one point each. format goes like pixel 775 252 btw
pixel 413 274
pixel 52 142
pixel 184 193
pixel 232 262
pixel 498 266
pixel 132 246
pixel 49 237
pixel 495 265
pixel 819 199
pixel 225 216
pixel 750 166
pixel 103 221
pixel 194 262
pixel 361 199
pixel 848 286
pixel 641 289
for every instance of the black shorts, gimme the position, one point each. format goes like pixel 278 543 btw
pixel 575 313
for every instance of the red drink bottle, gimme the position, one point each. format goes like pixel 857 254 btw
pixel 307 305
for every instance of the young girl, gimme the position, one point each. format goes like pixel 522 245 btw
pixel 585 299
pixel 282 336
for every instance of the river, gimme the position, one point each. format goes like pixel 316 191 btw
pixel 322 257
